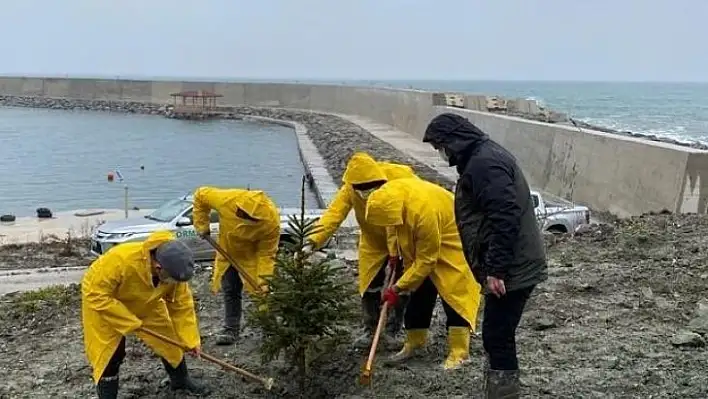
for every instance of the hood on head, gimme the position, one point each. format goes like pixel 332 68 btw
pixel 385 206
pixel 362 168
pixel 455 134
pixel 155 239
pixel 254 203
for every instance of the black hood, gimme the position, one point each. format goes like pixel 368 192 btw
pixel 455 134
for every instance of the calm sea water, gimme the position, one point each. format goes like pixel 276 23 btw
pixel 61 159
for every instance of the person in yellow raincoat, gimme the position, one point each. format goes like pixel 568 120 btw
pixel 249 231
pixel 422 215
pixel 361 177
pixel 134 286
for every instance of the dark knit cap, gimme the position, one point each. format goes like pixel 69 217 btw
pixel 176 259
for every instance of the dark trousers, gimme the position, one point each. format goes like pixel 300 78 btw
pixel 501 318
pixel 371 301
pixel 232 290
pixel 113 366
pixel 421 305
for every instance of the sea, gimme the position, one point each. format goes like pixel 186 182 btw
pixel 60 160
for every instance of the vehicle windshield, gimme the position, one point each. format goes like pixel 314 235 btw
pixel 169 211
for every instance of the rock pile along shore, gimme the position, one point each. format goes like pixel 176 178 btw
pixel 157 109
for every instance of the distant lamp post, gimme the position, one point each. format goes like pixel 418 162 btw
pixel 111 177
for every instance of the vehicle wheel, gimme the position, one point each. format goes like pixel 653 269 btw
pixel 7 218
pixel 557 230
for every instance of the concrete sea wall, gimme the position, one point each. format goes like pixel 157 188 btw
pixel 623 175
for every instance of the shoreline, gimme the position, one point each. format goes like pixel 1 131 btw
pixel 79 223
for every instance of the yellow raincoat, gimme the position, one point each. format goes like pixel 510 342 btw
pixel 424 219
pixel 254 245
pixel 374 244
pixel 118 297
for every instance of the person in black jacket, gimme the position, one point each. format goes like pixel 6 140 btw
pixel 500 236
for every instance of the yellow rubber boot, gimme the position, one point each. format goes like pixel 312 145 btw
pixel 414 342
pixel 458 344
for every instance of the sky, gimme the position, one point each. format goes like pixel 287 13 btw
pixel 598 40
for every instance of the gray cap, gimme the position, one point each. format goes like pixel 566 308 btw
pixel 176 259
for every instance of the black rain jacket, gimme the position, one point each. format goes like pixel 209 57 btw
pixel 494 210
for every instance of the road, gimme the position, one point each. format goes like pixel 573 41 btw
pixel 32 279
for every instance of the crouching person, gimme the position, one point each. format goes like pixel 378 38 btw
pixel 140 285
pixel 422 216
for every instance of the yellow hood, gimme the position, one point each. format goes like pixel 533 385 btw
pixel 385 206
pixel 254 203
pixel 362 168
pixel 157 238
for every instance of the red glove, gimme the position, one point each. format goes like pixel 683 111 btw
pixel 390 296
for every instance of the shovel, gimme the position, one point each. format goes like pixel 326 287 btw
pixel 250 280
pixel 366 371
pixel 266 382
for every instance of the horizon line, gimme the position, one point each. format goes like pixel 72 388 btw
pixel 336 79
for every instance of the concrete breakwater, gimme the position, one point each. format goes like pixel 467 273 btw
pixel 609 172
pixel 520 108
pixel 532 110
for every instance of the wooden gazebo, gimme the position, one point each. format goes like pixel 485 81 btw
pixel 195 104
pixel 197 100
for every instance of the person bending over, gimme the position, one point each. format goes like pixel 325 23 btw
pixel 134 286
pixel 421 215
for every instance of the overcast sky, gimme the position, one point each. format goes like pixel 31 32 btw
pixel 658 40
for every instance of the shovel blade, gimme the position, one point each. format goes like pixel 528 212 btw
pixel 365 376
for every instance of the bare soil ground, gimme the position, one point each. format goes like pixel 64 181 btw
pixel 51 252
pixel 621 316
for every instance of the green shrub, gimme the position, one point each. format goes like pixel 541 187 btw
pixel 308 305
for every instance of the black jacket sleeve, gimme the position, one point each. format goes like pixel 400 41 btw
pixel 468 224
pixel 496 196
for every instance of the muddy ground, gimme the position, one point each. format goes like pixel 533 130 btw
pixel 621 316
pixel 51 252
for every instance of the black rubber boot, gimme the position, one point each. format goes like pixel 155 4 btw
pixel 370 306
pixel 180 380
pixel 228 336
pixel 107 388
pixel 394 335
pixel 502 384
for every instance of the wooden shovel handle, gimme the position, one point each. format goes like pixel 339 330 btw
pixel 267 382
pixel 250 280
pixel 388 283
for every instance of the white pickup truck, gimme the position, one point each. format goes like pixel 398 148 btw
pixel 557 215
